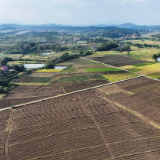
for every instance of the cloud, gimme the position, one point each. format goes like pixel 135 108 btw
pixel 63 1
pixel 135 1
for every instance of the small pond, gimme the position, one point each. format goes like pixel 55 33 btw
pixel 31 66
pixel 60 67
pixel 158 59
pixel 47 53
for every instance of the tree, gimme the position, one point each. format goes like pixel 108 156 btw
pixel 3 62
pixel 50 65
pixel 19 68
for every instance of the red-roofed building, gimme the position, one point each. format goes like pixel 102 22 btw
pixel 4 68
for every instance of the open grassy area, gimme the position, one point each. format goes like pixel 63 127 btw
pixel 102 69
pixel 154 75
pixel 80 78
pixel 119 77
pixel 149 69
pixel 50 70
pixel 144 42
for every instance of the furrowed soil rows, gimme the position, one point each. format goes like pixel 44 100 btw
pixel 4 115
pixel 71 106
pixel 103 109
pixel 118 60
pixel 97 153
pixel 138 87
pixel 43 92
pixel 116 96
pixel 154 155
pixel 3 137
pixel 115 118
pixel 25 88
pixel 129 131
pixel 5 103
pixel 2 154
pixel 56 144
pixel 136 146
pixel 83 85
pixel 140 97
pixel 45 118
pixel 3 126
pixel 132 82
pixel 150 109
pixel 111 89
pixel 50 128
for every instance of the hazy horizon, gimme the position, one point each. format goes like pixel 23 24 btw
pixel 80 12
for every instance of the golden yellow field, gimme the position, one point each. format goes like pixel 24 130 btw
pixel 119 77
pixel 50 70
pixel 1 95
pixel 149 69
pixel 127 67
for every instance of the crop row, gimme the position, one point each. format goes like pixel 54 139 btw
pixel 83 85
pixel 4 115
pixel 2 154
pixel 111 89
pixel 3 126
pixel 129 131
pixel 135 146
pixel 153 155
pixel 138 87
pixel 50 128
pixel 140 97
pixel 118 60
pixel 56 144
pixel 3 137
pixel 103 109
pixel 97 153
pixel 68 105
pixel 116 96
pixel 150 109
pixel 45 118
pixel 133 82
pixel 25 88
pixel 115 118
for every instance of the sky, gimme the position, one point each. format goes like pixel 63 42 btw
pixel 80 12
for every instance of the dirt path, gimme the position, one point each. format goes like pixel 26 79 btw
pixel 101 132
pixel 10 125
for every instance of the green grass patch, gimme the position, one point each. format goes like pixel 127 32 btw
pixel 119 76
pixel 102 69
pixel 135 69
pixel 69 70
pixel 154 75
pixel 50 70
pixel 80 78
pixel 143 64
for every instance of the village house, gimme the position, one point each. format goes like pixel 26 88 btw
pixel 94 47
pixel 4 68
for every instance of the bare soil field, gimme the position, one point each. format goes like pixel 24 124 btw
pixel 85 125
pixel 117 60
pixel 44 74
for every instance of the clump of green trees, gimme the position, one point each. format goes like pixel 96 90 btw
pixel 107 46
pixel 156 56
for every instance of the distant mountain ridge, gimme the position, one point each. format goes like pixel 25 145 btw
pixel 131 26
pixel 53 25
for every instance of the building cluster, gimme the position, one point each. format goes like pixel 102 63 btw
pixel 6 69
